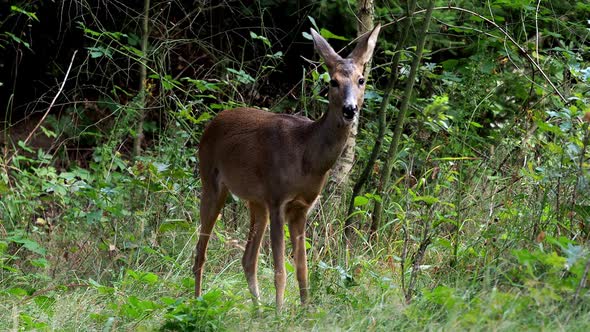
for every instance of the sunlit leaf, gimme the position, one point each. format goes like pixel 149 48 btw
pixel 360 201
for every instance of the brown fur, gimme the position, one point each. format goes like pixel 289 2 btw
pixel 279 164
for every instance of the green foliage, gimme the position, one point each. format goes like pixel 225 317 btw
pixel 486 221
pixel 206 313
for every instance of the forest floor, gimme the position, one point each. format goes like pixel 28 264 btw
pixel 149 288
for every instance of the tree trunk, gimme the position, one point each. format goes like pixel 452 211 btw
pixel 343 166
pixel 393 147
pixel 382 123
pixel 141 102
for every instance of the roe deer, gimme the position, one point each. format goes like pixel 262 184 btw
pixel 279 163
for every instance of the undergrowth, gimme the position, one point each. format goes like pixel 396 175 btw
pixel 485 226
pixel 125 264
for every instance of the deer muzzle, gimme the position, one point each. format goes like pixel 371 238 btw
pixel 349 111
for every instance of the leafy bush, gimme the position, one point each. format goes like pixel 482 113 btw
pixel 204 314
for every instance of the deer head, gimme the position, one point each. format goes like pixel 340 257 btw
pixel 347 84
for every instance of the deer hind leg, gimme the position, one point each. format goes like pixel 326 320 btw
pixel 277 241
pixel 212 199
pixel 297 218
pixel 258 222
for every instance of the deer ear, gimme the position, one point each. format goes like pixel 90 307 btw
pixel 324 49
pixel 363 51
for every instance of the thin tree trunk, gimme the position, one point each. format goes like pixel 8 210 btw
pixel 141 102
pixel 365 23
pixel 341 170
pixel 382 123
pixel 393 147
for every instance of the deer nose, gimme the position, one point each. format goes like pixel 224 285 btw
pixel 349 111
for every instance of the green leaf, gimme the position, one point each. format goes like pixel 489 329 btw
pixel 276 55
pixel 31 15
pixel 202 85
pixel 22 145
pixel 450 64
pixel 49 133
pixel 373 197
pixel 87 30
pixel 133 39
pixel 94 217
pixel 31 323
pixel 205 116
pixel 242 76
pixel 429 200
pixel 329 35
pixel 149 278
pixel 167 81
pixel 443 242
pixel 28 244
pixel 174 224
pixel 100 288
pixel 442 295
pixel 40 262
pixel 169 301
pixel 289 267
pixel 265 40
pixel 44 302
pixel 17 291
pixel 543 126
pixel 360 201
pixel 97 52
pixel 133 50
pixel 18 40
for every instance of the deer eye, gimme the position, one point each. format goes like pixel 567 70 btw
pixel 334 83
pixel 361 81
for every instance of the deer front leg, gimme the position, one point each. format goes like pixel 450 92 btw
pixel 258 222
pixel 277 240
pixel 297 220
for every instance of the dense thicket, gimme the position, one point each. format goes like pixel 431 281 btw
pixel 485 216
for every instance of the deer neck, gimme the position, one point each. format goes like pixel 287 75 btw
pixel 326 141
